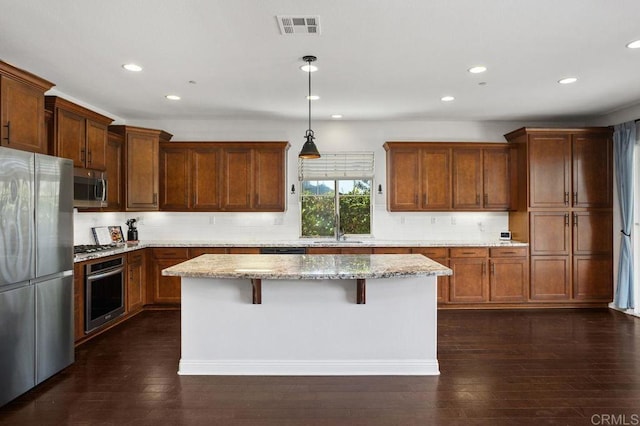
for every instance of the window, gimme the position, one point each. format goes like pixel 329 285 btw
pixel 336 187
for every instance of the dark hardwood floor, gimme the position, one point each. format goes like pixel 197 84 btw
pixel 526 367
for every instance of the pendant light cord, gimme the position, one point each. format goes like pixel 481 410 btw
pixel 309 70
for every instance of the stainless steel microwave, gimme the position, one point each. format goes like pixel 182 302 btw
pixel 89 188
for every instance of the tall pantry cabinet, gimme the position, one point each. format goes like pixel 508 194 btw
pixel 565 212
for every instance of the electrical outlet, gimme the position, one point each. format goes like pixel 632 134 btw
pixel 433 220
pixel 212 220
pixel 453 220
pixel 402 220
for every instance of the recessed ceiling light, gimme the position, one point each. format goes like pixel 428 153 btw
pixel 132 67
pixel 313 97
pixel 447 98
pixel 309 68
pixel 336 116
pixel 634 44
pixel 477 69
pixel 568 80
pixel 173 97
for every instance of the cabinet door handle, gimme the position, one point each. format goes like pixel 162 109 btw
pixel 493 268
pixel 575 219
pixel 89 159
pixel 566 219
pixel 8 126
pixel 566 198
pixel 486 199
pixel 575 198
pixel 131 275
pixel 155 198
pixel 484 268
pixel 477 199
pixel 425 199
pixel 415 199
pixel 82 155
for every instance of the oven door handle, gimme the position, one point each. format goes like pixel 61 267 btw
pixel 94 277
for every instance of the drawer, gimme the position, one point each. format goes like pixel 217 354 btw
pixel 469 252
pixel 508 252
pixel 391 250
pixel 171 253
pixel 431 252
pixel 244 250
pixel 197 251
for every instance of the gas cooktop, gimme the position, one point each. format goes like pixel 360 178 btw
pixel 92 248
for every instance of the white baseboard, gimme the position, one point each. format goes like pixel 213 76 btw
pixel 310 367
pixel 624 311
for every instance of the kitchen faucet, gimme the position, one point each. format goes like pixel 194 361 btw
pixel 338 232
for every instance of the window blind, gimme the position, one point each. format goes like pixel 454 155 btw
pixel 338 165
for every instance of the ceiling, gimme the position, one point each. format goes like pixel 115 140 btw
pixel 377 59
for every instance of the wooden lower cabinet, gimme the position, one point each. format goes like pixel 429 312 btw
pixel 165 290
pixel 508 274
pixel 470 280
pixel 78 299
pixel 339 250
pixel 136 278
pixel 468 284
pixel 592 278
pixel 550 278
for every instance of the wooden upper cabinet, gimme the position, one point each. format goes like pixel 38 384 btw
pixel 97 136
pixel 592 171
pixel 189 177
pixel 269 174
pixel 496 178
pixel 205 179
pixel 403 178
pixel 467 179
pixel 78 133
pixel 436 178
pixel 141 158
pixel 223 176
pixel 174 172
pixel 22 115
pixel 568 167
pixel 237 179
pixel 114 168
pixel 253 176
pixel 549 170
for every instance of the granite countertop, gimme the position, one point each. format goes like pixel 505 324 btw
pixel 307 267
pixel 302 242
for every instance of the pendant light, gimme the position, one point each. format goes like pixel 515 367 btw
pixel 309 149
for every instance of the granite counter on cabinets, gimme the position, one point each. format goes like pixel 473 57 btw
pixel 303 242
pixel 308 314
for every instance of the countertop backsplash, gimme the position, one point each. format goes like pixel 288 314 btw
pixel 159 226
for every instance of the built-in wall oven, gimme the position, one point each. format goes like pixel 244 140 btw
pixel 104 292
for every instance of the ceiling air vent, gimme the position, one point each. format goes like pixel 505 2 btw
pixel 291 25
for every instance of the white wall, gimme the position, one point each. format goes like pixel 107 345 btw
pixel 330 136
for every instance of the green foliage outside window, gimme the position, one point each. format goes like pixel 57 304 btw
pixel 318 207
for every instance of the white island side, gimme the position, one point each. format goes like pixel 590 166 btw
pixel 309 314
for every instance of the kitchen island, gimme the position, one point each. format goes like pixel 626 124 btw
pixel 309 314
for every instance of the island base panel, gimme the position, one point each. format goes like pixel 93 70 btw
pixel 309 327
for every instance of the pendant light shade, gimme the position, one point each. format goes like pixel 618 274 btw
pixel 309 149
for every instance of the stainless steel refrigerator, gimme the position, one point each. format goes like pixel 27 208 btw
pixel 36 269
